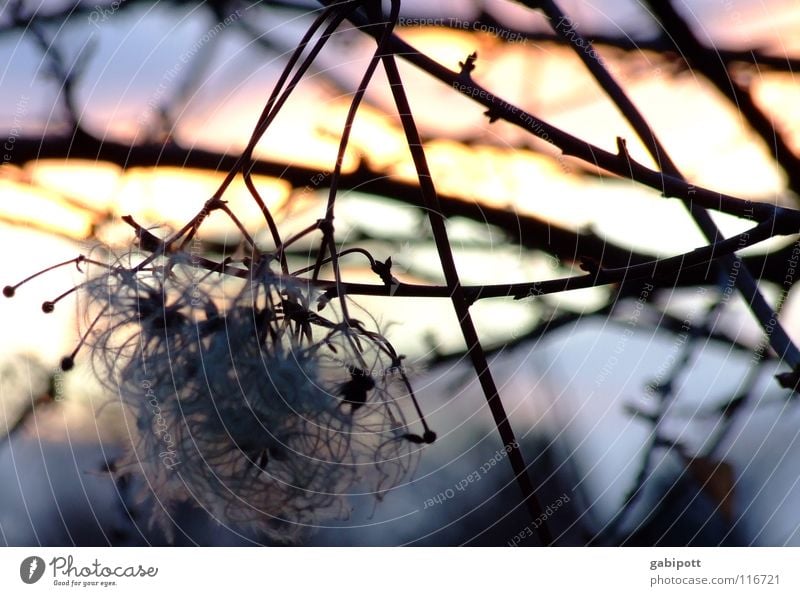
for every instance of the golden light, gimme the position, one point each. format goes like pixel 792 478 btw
pixel 491 164
pixel 172 196
pixel 90 183
pixel 45 210
pixel 374 136
pixel 296 136
pixel 779 95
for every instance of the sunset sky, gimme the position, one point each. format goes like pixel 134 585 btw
pixel 177 75
pixel 132 61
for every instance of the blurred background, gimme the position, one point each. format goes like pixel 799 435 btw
pixel 646 407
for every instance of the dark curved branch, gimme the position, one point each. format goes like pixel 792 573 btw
pixel 620 163
pixel 665 270
pixel 661 44
pixel 525 230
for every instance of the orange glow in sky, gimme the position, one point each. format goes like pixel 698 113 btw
pixel 496 165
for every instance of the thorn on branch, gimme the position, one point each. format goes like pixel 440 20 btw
pixel 590 265
pixel 622 150
pixel 144 238
pixel 213 204
pixel 661 389
pixel 468 65
pixel 493 115
pixel 789 380
pixel 384 271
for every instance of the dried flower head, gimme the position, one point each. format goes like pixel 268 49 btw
pixel 244 401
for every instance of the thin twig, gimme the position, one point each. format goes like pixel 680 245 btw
pixel 459 300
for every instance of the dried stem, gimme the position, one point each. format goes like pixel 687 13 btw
pixel 459 299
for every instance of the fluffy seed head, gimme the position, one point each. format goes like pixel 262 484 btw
pixel 237 401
